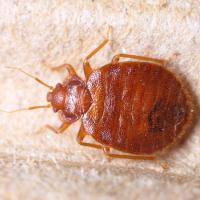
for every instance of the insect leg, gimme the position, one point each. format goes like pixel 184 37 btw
pixel 106 150
pixel 86 65
pixel 164 165
pixel 61 129
pixel 87 68
pixel 69 68
pixel 143 58
pixel 80 137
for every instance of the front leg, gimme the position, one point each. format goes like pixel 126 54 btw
pixel 59 130
pixel 69 68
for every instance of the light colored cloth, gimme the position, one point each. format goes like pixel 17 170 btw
pixel 35 35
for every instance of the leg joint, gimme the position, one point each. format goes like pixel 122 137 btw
pixel 115 59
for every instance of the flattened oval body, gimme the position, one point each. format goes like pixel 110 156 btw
pixel 138 107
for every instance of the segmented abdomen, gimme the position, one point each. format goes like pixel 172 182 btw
pixel 137 107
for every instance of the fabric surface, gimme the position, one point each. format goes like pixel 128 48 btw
pixel 37 35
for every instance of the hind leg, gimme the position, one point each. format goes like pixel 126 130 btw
pixel 106 151
pixel 164 165
pixel 80 137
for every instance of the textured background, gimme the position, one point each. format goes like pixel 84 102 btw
pixel 35 35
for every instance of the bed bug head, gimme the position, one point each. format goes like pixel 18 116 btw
pixel 57 97
pixel 71 99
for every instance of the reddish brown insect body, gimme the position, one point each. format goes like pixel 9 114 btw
pixel 135 107
pixel 139 108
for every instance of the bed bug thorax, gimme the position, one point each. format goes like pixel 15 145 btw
pixel 139 108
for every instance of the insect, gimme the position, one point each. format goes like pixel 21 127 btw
pixel 136 107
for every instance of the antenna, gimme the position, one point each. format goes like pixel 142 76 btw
pixel 31 76
pixel 28 108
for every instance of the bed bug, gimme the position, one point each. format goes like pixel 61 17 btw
pixel 137 107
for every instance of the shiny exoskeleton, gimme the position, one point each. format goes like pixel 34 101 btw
pixel 139 108
pixel 136 107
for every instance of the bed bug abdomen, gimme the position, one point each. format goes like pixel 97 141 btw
pixel 137 107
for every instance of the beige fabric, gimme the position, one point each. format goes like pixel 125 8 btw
pixel 35 35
